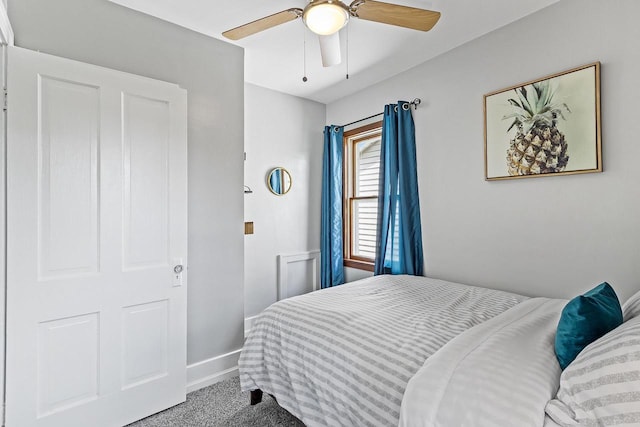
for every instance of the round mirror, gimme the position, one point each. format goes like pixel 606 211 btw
pixel 279 181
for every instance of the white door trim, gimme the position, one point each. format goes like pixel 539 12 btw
pixel 6 39
pixel 3 227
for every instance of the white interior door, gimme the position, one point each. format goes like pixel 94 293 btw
pixel 96 222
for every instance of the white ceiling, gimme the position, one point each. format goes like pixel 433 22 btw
pixel 274 58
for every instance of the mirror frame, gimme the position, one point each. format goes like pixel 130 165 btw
pixel 284 170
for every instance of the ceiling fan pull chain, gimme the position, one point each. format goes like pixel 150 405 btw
pixel 304 54
pixel 347 52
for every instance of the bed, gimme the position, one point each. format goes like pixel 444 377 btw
pixel 361 341
pixel 414 352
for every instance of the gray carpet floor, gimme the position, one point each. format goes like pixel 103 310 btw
pixel 222 405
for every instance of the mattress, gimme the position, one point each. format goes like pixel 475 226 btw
pixel 343 356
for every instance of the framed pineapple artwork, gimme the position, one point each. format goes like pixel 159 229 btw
pixel 549 126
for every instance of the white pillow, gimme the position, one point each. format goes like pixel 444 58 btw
pixel 602 385
pixel 631 308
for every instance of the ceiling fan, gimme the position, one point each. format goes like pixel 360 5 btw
pixel 327 17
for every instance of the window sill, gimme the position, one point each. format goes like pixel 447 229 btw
pixel 359 264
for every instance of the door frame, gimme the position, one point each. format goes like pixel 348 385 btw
pixel 6 39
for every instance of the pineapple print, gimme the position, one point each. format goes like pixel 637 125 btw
pixel 538 147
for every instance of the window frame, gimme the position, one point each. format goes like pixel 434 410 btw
pixel 349 140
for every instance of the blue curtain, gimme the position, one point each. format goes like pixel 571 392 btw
pixel 275 180
pixel 399 234
pixel 331 255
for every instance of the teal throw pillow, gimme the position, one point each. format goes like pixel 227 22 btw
pixel 584 319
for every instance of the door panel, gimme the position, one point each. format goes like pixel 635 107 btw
pixel 146 152
pixel 145 354
pixel 68 180
pixel 96 217
pixel 67 345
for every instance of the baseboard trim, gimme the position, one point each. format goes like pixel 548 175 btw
pixel 248 324
pixel 211 371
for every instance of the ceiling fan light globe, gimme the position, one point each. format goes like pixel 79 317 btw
pixel 325 18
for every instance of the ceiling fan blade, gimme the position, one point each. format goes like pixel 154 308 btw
pixel 395 14
pixel 330 49
pixel 263 24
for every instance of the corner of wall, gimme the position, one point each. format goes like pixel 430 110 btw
pixel 207 372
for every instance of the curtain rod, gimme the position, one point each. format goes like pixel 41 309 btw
pixel 415 103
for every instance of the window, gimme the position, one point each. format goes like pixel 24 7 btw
pixel 361 169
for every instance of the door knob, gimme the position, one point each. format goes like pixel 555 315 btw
pixel 178 269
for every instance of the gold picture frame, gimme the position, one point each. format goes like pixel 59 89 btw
pixel 544 127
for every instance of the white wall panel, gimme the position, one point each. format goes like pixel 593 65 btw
pixel 301 277
pixel 298 273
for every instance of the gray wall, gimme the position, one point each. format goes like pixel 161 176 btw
pixel 553 236
pixel 102 33
pixel 280 130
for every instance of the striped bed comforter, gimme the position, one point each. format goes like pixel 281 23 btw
pixel 343 356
